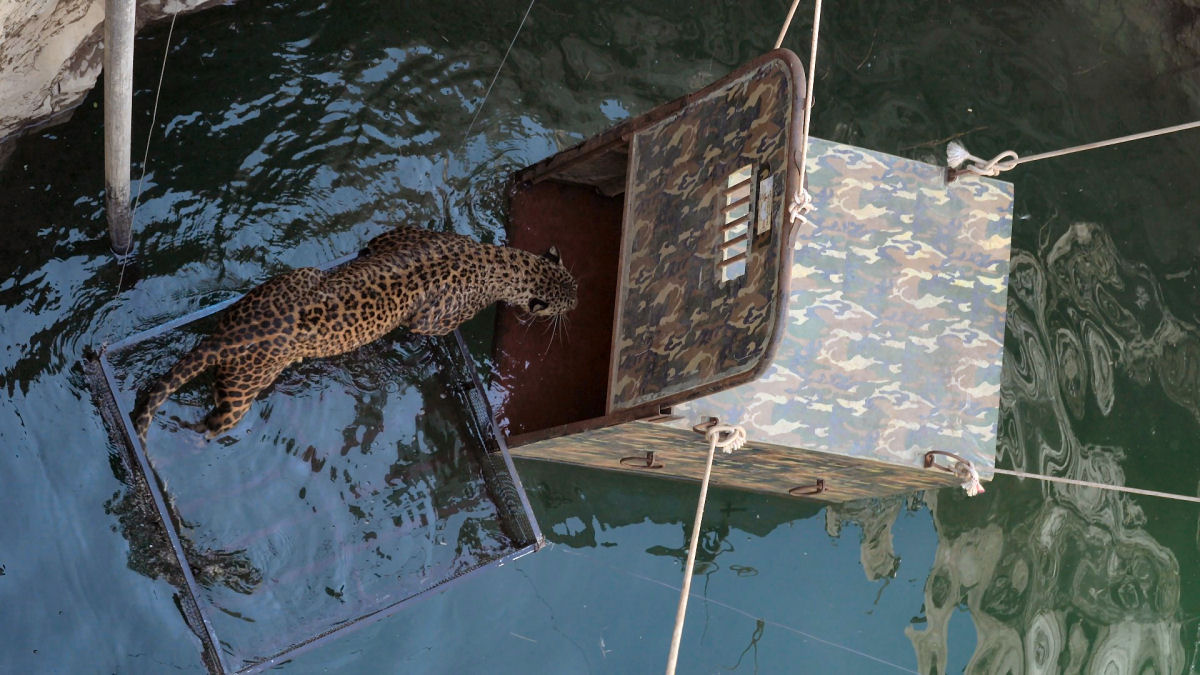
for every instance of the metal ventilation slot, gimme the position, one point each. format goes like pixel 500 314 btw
pixel 735 245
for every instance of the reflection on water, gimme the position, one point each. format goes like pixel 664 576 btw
pixel 150 551
pixel 1058 578
pixel 1079 316
pixel 1054 591
pixel 289 135
pixel 876 518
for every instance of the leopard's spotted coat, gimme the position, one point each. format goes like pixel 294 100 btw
pixel 430 282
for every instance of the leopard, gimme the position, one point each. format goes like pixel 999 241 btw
pixel 429 282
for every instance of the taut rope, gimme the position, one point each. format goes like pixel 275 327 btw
pixel 958 157
pixel 146 154
pixel 964 469
pixel 802 201
pixel 467 136
pixel 734 438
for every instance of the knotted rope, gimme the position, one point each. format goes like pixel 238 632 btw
pixel 957 155
pixel 802 200
pixel 961 468
pixel 966 471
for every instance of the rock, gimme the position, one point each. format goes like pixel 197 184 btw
pixel 51 53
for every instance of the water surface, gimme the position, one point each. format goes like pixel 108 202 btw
pixel 289 133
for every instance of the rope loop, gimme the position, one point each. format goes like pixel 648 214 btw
pixel 966 471
pixel 957 157
pixel 963 469
pixel 734 437
pixel 802 203
pixel 969 476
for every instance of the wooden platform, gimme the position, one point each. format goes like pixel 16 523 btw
pixel 758 467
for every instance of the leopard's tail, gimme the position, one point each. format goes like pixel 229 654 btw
pixel 192 364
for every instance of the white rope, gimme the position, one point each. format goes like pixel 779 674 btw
pixel 734 438
pixel 487 93
pixel 787 23
pixel 962 468
pixel 957 155
pixel 802 199
pixel 1102 486
pixel 970 478
pixel 966 470
pixel 146 154
pixel 808 95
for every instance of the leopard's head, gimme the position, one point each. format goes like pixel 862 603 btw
pixel 551 290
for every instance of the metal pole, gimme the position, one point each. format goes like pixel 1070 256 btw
pixel 119 18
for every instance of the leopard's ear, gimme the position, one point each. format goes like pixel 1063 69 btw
pixel 552 255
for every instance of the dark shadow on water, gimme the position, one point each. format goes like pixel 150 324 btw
pixel 150 551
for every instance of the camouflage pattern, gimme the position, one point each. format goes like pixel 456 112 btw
pixel 895 329
pixel 758 467
pixel 672 309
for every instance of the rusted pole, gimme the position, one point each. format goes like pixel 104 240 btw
pixel 118 118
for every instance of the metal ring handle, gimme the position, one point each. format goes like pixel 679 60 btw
pixel 638 462
pixel 703 427
pixel 808 490
pixel 931 460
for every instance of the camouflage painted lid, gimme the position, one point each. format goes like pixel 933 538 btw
pixel 703 250
pixel 895 319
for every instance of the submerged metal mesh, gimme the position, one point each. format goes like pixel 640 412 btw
pixel 500 475
pixel 354 485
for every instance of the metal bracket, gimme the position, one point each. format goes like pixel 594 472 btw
pixel 808 490
pixel 663 415
pixel 931 460
pixel 647 462
pixel 703 427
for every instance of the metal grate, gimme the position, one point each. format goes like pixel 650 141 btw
pixel 736 215
pixel 419 457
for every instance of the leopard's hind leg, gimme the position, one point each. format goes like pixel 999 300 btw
pixel 236 387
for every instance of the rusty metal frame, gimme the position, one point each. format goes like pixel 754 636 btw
pixel 190 598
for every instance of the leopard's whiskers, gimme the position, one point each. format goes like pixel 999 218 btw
pixel 526 320
pixel 556 326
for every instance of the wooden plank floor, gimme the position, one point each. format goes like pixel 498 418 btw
pixel 758 467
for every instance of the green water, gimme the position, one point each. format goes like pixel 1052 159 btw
pixel 289 133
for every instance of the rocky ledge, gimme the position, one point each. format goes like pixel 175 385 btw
pixel 51 53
